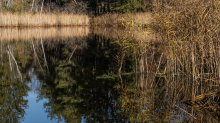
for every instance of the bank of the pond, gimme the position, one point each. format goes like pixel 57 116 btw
pixel 122 20
pixel 8 19
pixel 42 20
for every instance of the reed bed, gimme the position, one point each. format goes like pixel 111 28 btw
pixel 44 20
pixel 180 68
pixel 117 19
pixel 9 34
pixel 192 29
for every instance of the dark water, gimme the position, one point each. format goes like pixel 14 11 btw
pixel 76 80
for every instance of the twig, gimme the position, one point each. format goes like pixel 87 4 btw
pixel 72 53
pixel 159 63
pixel 186 112
pixel 75 1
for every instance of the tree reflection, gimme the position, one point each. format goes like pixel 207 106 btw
pixel 12 91
pixel 81 82
pixel 82 87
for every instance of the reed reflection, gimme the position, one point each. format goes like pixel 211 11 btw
pixel 95 78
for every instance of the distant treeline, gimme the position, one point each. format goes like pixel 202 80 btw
pixel 92 7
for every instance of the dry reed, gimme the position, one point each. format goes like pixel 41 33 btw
pixel 187 52
pixel 35 20
pixel 117 19
pixel 192 30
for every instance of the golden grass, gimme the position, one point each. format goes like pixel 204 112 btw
pixel 63 19
pixel 8 34
pixel 191 33
pixel 116 19
pixel 35 20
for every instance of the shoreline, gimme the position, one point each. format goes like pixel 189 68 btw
pixel 31 20
pixel 40 26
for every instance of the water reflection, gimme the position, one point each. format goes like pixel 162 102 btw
pixel 76 79
pixel 81 87
pixel 27 34
pixel 13 92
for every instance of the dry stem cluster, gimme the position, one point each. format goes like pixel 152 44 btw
pixel 43 20
pixel 117 20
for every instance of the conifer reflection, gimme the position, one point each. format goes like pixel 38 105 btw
pixel 81 87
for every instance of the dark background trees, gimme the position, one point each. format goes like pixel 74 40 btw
pixel 76 6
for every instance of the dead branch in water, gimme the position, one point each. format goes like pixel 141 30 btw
pixel 72 53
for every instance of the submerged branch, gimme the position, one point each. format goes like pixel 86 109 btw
pixel 186 112
pixel 72 53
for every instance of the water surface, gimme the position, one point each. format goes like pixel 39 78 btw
pixel 86 75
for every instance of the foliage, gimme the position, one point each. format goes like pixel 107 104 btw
pixel 129 6
pixel 22 5
pixel 70 6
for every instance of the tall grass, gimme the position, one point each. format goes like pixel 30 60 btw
pixel 63 19
pixel 191 30
pixel 184 56
pixel 116 19
pixel 35 20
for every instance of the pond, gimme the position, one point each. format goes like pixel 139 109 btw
pixel 82 74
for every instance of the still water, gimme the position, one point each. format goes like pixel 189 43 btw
pixel 84 74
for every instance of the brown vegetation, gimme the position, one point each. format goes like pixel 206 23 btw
pixel 64 19
pixel 117 20
pixel 180 68
pixel 44 20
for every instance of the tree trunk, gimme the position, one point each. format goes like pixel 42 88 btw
pixel 41 8
pixel 32 5
pixel 97 7
pixel 108 6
